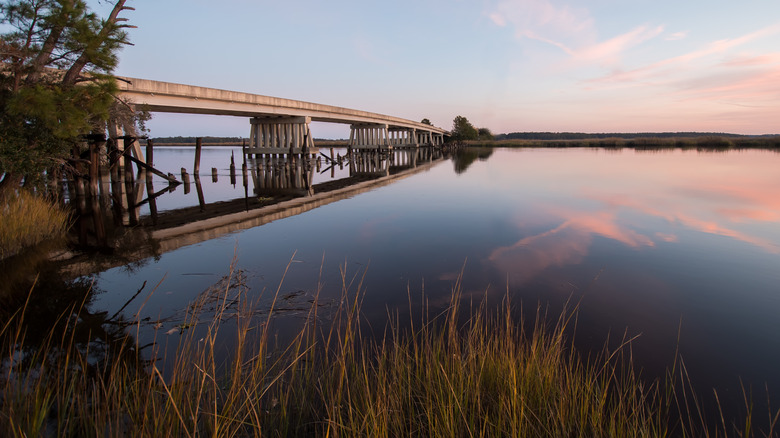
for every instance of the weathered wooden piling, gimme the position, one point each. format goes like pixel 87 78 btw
pixel 199 188
pixel 198 146
pixel 150 152
pixel 214 174
pixel 232 169
pixel 185 177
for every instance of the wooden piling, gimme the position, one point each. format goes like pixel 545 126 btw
pixel 232 169
pixel 185 177
pixel 213 174
pixel 199 188
pixel 198 145
pixel 150 152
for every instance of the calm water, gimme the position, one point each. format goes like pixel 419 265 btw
pixel 679 247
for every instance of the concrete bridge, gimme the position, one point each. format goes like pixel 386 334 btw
pixel 279 125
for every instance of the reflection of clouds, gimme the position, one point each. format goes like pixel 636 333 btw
pixel 666 237
pixel 567 244
pixel 378 226
pixel 736 201
pixel 711 227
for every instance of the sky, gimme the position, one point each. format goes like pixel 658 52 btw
pixel 506 65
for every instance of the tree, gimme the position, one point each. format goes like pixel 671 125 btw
pixel 484 134
pixel 462 129
pixel 56 82
pixel 426 122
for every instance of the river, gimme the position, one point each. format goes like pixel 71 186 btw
pixel 680 248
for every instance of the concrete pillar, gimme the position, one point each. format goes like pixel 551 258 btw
pixel 280 135
pixel 369 136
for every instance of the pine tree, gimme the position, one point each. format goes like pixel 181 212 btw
pixel 56 81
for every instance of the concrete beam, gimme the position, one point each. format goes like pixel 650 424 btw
pixel 158 96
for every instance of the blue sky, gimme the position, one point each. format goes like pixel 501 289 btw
pixel 508 65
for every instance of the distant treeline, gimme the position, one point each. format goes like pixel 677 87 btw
pixel 701 142
pixel 191 140
pixel 586 136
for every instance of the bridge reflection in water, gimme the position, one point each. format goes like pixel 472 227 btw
pixel 122 217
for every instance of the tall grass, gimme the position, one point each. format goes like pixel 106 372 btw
pixel 29 220
pixel 704 143
pixel 458 373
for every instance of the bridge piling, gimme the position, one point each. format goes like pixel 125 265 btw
pixel 150 152
pixel 198 146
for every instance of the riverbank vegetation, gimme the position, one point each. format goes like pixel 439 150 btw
pixel 475 372
pixel 706 142
pixel 28 220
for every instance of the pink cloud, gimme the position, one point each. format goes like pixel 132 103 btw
pixel 610 50
pixel 671 66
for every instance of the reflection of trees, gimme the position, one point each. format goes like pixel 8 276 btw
pixel 464 157
pixel 58 328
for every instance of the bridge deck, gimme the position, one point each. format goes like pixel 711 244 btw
pixel 179 98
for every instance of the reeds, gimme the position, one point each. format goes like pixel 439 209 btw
pixel 29 220
pixel 482 372
pixel 703 143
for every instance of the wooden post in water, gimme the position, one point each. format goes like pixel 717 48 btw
pixel 198 145
pixel 185 177
pixel 213 174
pixel 199 188
pixel 232 169
pixel 150 152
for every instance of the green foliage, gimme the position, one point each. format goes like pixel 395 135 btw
pixel 462 129
pixel 426 122
pixel 484 134
pixel 55 81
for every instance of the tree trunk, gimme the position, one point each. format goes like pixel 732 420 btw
pixel 75 70
pixel 51 42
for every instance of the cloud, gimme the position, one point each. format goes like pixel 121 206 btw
pixel 677 36
pixel 561 26
pixel 611 49
pixel 572 30
pixel 671 67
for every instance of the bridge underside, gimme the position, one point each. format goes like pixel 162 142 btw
pixel 280 135
pixel 384 136
pixel 277 125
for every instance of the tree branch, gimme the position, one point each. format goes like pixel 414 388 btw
pixel 75 70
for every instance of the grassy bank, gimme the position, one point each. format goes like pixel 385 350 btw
pixel 29 220
pixel 707 143
pixel 459 373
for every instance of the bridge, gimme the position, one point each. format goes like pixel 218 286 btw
pixel 279 125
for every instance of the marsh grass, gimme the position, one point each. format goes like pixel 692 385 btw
pixel 480 372
pixel 703 143
pixel 29 220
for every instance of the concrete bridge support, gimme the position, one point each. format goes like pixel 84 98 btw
pixel 424 137
pixel 402 137
pixel 280 135
pixel 369 136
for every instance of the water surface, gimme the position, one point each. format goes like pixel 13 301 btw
pixel 679 248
